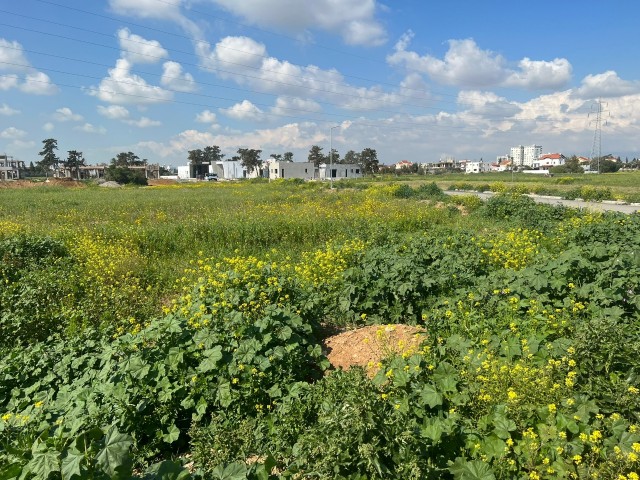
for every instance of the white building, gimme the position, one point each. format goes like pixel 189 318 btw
pixel 549 160
pixel 527 156
pixel 339 171
pixel 11 169
pixel 304 170
pixel 475 167
pixel 229 170
pixel 502 164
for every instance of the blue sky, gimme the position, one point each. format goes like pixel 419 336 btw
pixel 414 79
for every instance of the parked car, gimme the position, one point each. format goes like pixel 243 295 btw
pixel 211 177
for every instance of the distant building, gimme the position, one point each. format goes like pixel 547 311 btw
pixel 549 160
pixel 502 164
pixel 526 156
pixel 10 168
pixel 475 167
pixel 229 170
pixel 339 171
pixel 304 170
pixel 403 164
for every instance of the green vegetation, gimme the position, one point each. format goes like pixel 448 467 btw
pixel 175 332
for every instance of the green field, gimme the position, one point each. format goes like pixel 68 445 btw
pixel 175 331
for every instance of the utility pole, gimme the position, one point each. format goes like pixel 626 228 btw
pixel 331 154
pixel 596 148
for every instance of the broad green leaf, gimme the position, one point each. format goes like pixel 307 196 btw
pixel 285 333
pixel 224 394
pixel 137 367
pixel 169 470
pixel 211 358
pixel 493 447
pixel 113 459
pixel 233 471
pixel 43 461
pixel 175 357
pixel 473 470
pixel 433 429
pixel 431 396
pixel 71 464
pixel 173 433
pixel 502 426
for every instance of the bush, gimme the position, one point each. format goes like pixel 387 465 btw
pixel 125 176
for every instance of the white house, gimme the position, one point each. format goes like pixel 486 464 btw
pixel 475 167
pixel 230 170
pixel 549 160
pixel 502 164
pixel 339 171
pixel 403 164
pixel 304 170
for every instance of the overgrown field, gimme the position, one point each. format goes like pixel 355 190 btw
pixel 175 332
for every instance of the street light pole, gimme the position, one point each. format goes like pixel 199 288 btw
pixel 331 154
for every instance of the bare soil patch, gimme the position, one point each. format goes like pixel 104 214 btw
pixel 367 346
pixel 51 182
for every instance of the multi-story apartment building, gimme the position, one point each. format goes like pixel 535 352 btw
pixel 526 156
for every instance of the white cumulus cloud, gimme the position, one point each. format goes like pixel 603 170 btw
pixel 12 133
pixel 467 65
pixel 137 49
pixel 65 114
pixel 607 84
pixel 38 83
pixel 206 116
pixel 7 111
pixel 90 128
pixel 124 87
pixel 114 112
pixel 120 113
pixel 175 79
pixel 295 106
pixel 244 110
pixel 12 56
pixel 353 20
pixel 246 62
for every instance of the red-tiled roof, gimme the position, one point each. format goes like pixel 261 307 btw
pixel 551 156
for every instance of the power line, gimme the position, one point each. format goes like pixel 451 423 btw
pixel 239 50
pixel 389 123
pixel 215 70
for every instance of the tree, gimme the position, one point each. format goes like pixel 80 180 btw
pixel 572 165
pixel 250 159
pixel 212 154
pixel 276 157
pixel 316 156
pixel 127 159
pixel 288 156
pixel 196 160
pixel 74 161
pixel 352 157
pixel 335 156
pixel 120 172
pixel 49 159
pixel 605 165
pixel 369 160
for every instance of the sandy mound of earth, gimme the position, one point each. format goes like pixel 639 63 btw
pixel 367 346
